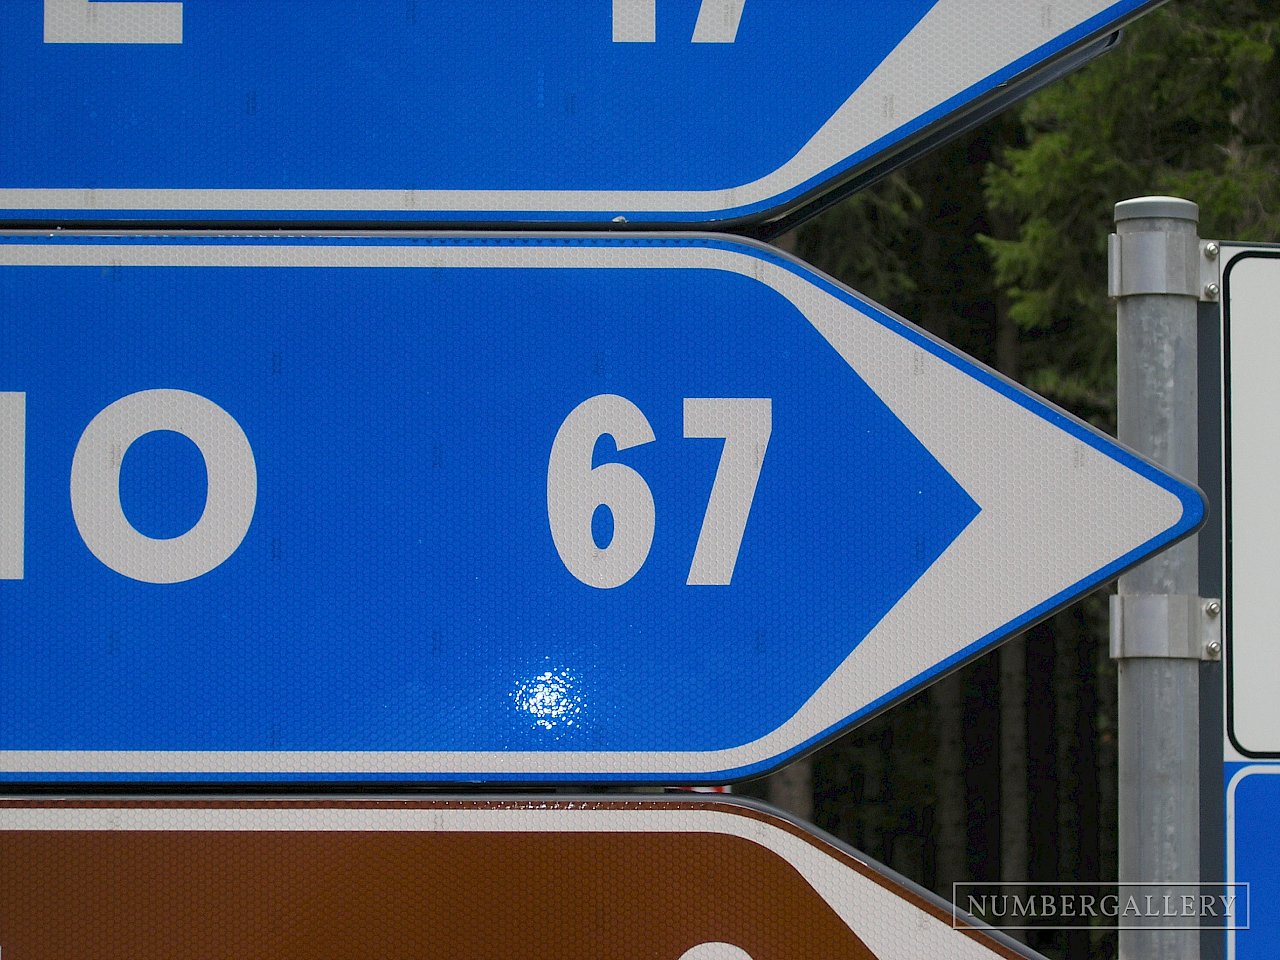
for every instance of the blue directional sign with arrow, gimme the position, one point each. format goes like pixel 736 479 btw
pixel 505 508
pixel 648 111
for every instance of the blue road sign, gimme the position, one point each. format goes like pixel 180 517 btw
pixel 505 508
pixel 1253 860
pixel 656 111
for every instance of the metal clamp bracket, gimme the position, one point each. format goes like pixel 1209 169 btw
pixel 1166 625
pixel 1150 262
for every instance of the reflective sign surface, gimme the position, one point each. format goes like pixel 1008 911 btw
pixel 650 110
pixel 580 879
pixel 504 508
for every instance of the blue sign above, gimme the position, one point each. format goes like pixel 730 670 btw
pixel 504 508
pixel 652 111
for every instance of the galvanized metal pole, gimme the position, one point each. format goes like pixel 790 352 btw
pixel 1157 618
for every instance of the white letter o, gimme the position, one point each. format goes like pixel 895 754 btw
pixel 95 486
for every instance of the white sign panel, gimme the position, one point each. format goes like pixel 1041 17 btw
pixel 1251 288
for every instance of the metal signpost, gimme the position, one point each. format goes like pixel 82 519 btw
pixel 461 877
pixel 1161 625
pixel 506 508
pixel 645 111
pixel 1249 280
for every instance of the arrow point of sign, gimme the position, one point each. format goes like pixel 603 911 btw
pixel 1062 508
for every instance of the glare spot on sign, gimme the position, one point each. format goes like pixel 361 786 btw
pixel 550 699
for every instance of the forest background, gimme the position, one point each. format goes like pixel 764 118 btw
pixel 997 243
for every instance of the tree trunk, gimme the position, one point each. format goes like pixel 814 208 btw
pixel 1068 638
pixel 1013 762
pixel 1042 812
pixel 876 836
pixel 1014 835
pixel 791 789
pixel 1108 767
pixel 982 768
pixel 1088 824
pixel 949 814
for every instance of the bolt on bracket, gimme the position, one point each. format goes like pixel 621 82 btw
pixel 1210 271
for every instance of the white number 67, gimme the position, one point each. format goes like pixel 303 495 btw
pixel 576 489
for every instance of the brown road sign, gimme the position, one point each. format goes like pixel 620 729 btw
pixel 654 879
